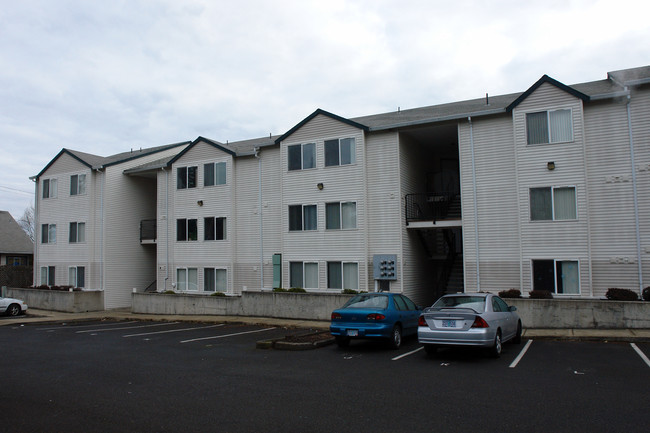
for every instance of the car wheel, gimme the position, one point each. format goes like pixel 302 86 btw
pixel 396 337
pixel 430 349
pixel 13 310
pixel 342 341
pixel 517 339
pixel 495 350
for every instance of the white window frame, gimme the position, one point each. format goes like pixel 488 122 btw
pixel 341 225
pixel 215 180
pixel 52 188
pixel 51 234
pixel 76 276
pixel 341 142
pixel 45 275
pixel 553 188
pixel 302 156
pixel 214 271
pixel 187 229
pixel 187 176
pixel 555 262
pixel 77 186
pixel 80 228
pixel 343 282
pixel 302 217
pixel 549 126
pixel 303 284
pixel 214 227
pixel 184 286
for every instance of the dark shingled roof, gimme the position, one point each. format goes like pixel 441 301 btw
pixel 13 239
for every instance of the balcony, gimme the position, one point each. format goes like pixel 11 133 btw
pixel 148 231
pixel 433 210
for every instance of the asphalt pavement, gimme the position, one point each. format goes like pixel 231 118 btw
pixel 41 316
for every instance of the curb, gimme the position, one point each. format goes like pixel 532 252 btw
pixel 283 344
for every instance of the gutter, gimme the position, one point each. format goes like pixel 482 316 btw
pixel 438 119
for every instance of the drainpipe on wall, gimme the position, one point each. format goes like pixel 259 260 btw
pixel 478 255
pixel 634 193
pixel 101 175
pixel 259 175
pixel 166 227
pixel 35 265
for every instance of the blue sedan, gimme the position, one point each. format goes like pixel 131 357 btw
pixel 386 316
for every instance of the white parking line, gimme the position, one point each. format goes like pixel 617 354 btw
pixel 403 355
pixel 521 354
pixel 172 330
pixel 227 335
pixel 127 327
pixel 641 354
pixel 64 325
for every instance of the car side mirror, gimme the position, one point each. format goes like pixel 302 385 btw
pixel 512 308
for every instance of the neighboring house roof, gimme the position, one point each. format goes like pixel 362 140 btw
pixel 13 239
pixel 96 162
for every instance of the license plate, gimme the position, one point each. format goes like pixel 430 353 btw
pixel 448 323
pixel 353 332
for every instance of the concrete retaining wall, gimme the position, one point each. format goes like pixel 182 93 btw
pixel 582 314
pixel 157 303
pixel 55 300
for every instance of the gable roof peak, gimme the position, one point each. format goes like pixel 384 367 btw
pixel 544 80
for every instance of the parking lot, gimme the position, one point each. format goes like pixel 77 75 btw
pixel 168 376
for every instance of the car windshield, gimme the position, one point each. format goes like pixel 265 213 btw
pixel 368 301
pixel 476 303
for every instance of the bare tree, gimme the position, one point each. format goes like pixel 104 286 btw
pixel 28 222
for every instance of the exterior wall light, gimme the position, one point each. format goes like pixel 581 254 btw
pixel 320 186
pixel 550 165
pixel 200 202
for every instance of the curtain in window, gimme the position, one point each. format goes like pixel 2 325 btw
pixel 564 200
pixel 568 277
pixel 44 276
pixel 222 279
pixel 349 215
pixel 537 127
pixel 310 217
pixel 295 274
pixel 311 275
pixel 192 279
pixel 540 204
pixel 81 232
pixel 351 276
pixel 308 155
pixel 561 130
pixel 221 173
pixel 332 216
pixel 181 279
pixel 347 151
pixel 72 277
pixel 52 233
pixel 334 275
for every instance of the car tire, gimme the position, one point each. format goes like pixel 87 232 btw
pixel 396 337
pixel 495 350
pixel 431 349
pixel 13 310
pixel 342 341
pixel 517 339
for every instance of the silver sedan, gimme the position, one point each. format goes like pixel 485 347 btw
pixel 469 319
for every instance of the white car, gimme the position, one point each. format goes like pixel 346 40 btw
pixel 12 307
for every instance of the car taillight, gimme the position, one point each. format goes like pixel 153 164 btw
pixel 336 316
pixel 479 322
pixel 422 322
pixel 375 316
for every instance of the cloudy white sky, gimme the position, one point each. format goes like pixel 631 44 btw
pixel 106 76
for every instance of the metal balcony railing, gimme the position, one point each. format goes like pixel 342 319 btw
pixel 431 206
pixel 148 231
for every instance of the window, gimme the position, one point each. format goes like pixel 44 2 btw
pixel 187 279
pixel 557 276
pixel 215 280
pixel 17 261
pixel 339 152
pixel 214 174
pixel 303 275
pixel 47 276
pixel 77 233
pixel 214 229
pixel 303 217
pixel 341 215
pixel 549 127
pixel 553 203
pixel 76 276
pixel 48 233
pixel 78 184
pixel 49 188
pixel 301 156
pixel 342 275
pixel 186 177
pixel 186 230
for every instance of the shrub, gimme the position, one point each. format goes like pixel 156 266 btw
pixel 540 294
pixel 510 293
pixel 646 294
pixel 297 290
pixel 349 292
pixel 169 292
pixel 218 294
pixel 279 289
pixel 614 294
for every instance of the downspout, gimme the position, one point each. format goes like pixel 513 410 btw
pixel 166 226
pixel 259 175
pixel 101 228
pixel 35 265
pixel 478 255
pixel 634 193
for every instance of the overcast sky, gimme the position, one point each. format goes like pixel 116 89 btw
pixel 106 76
